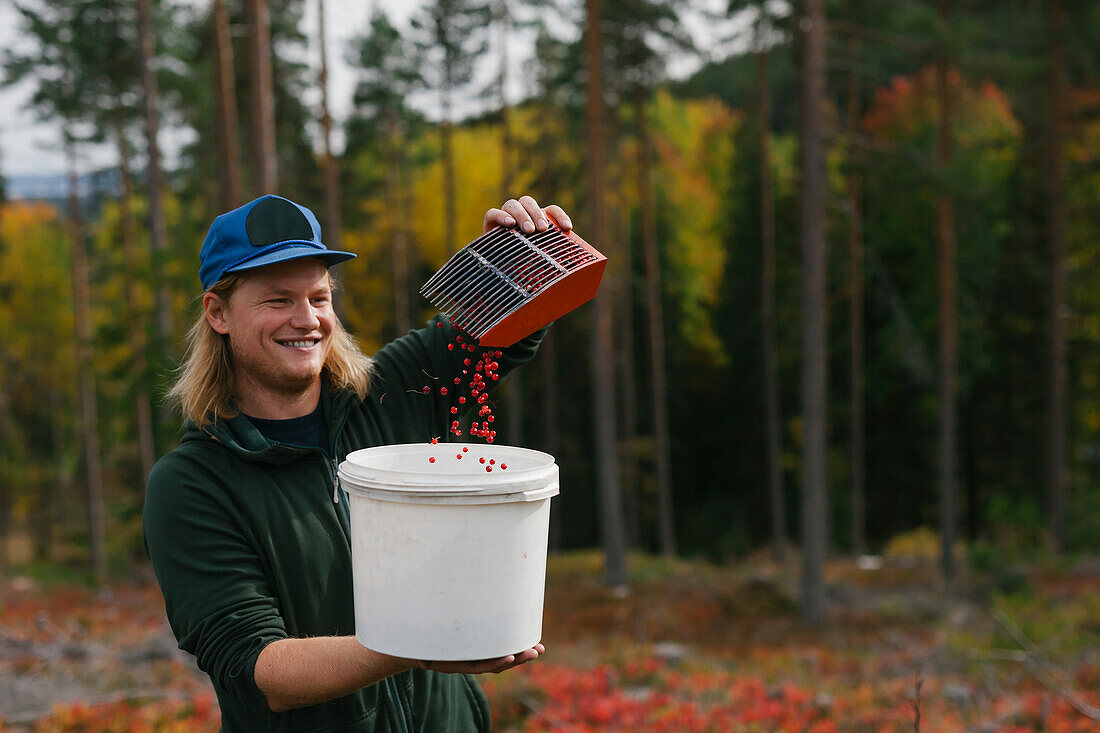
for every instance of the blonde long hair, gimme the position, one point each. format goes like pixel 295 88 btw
pixel 205 388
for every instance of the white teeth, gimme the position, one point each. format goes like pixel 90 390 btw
pixel 299 344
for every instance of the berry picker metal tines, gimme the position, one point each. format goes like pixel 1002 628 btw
pixel 505 284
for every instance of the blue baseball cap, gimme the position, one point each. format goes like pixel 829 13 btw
pixel 262 232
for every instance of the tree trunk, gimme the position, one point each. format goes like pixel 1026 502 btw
pixel 948 324
pixel 333 224
pixel 1056 469
pixel 446 132
pixel 814 362
pixel 396 223
pixel 618 281
pixel 655 326
pixel 767 292
pixel 136 330
pixel 855 312
pixel 228 134
pixel 602 353
pixel 551 420
pixel 89 409
pixel 265 161
pixel 513 385
pixel 158 228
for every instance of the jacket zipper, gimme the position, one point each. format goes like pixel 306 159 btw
pixel 388 684
pixel 395 701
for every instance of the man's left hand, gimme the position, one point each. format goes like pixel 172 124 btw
pixel 525 214
pixel 495 666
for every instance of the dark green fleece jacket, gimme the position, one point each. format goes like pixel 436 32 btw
pixel 249 547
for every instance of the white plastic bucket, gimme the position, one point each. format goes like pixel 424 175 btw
pixel 448 559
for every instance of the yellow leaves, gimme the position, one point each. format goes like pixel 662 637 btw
pixel 693 142
pixel 36 318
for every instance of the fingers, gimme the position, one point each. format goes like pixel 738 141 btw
pixel 526 214
pixel 484 666
pixel 559 216
pixel 497 218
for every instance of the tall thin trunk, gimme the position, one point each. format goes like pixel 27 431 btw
pixel 1056 469
pixel 767 296
pixel 551 419
pixel 158 228
pixel 89 408
pixel 446 132
pixel 143 410
pixel 229 144
pixel 602 354
pixel 948 324
pixel 619 284
pixel 513 386
pixel 333 223
pixel 265 162
pixel 396 223
pixel 5 483
pixel 814 363
pixel 855 312
pixel 655 326
pixel 548 350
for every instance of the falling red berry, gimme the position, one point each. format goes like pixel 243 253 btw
pixel 454 410
pixel 465 449
pixel 426 390
pixel 439 325
pixel 459 457
pixel 431 459
pixel 503 466
pixel 450 347
pixel 462 400
pixel 435 441
pixel 492 461
pixel 481 460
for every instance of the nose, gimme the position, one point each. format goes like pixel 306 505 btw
pixel 305 316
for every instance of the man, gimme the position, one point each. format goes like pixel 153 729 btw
pixel 243 522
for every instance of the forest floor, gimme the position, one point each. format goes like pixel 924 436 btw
pixel 690 647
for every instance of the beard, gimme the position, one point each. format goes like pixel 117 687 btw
pixel 272 375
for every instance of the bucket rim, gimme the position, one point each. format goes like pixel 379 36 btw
pixel 359 474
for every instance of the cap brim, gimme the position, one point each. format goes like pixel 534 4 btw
pixel 294 252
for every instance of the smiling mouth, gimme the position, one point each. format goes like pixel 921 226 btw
pixel 300 343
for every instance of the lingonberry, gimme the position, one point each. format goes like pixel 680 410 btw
pixel 443 390
pixel 431 459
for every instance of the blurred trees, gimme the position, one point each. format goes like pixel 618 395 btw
pixel 675 403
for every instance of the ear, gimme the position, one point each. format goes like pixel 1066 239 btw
pixel 216 311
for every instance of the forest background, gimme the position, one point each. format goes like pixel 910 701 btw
pixel 848 297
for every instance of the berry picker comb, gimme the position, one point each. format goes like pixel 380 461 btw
pixel 505 284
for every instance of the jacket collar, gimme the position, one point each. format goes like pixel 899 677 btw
pixel 239 435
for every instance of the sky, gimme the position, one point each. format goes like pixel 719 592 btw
pixel 30 147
